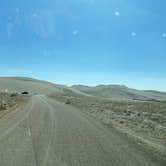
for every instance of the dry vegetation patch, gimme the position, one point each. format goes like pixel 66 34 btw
pixel 9 101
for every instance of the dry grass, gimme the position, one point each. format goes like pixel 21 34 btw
pixel 5 101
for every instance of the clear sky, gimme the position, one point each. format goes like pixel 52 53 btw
pixel 85 41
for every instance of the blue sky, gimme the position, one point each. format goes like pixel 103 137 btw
pixel 85 41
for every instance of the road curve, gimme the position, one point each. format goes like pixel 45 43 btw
pixel 49 133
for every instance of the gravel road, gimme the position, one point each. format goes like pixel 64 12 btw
pixel 48 133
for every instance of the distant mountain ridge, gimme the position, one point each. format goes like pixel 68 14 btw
pixel 117 92
pixel 121 92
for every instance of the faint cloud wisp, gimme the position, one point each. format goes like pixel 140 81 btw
pixel 43 23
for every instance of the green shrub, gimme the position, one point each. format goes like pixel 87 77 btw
pixel 68 102
pixel 3 107
pixel 13 95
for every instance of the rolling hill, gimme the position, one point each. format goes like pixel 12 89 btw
pixel 117 92
pixel 121 92
pixel 20 84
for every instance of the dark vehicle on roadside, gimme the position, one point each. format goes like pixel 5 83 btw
pixel 25 93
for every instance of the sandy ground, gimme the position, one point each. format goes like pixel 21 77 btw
pixel 45 132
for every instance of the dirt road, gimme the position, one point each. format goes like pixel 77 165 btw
pixel 48 133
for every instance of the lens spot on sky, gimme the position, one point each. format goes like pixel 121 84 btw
pixel 117 13
pixel 75 32
pixel 133 34
pixel 164 35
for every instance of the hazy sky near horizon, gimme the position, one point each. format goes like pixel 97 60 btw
pixel 85 41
